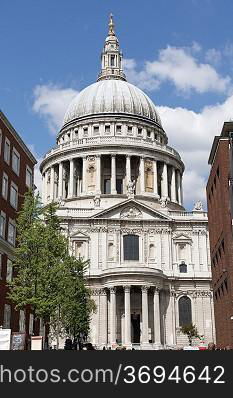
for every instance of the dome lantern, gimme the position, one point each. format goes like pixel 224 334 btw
pixel 111 57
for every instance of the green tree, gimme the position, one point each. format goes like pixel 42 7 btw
pixel 47 278
pixel 191 332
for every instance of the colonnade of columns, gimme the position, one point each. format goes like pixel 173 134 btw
pixel 111 323
pixel 60 180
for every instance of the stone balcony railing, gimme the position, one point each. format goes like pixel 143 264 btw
pixel 112 141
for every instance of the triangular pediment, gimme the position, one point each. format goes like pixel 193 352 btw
pixel 132 209
pixel 79 235
pixel 181 237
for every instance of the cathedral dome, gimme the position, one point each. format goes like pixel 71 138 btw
pixel 112 96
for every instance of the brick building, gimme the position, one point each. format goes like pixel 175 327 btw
pixel 219 199
pixel 16 176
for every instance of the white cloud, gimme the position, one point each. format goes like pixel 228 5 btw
pixel 178 66
pixel 191 134
pixel 213 56
pixel 51 102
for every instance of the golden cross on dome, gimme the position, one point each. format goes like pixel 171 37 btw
pixel 111 26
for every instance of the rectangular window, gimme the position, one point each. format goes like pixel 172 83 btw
pixel 107 128
pixel 107 186
pixel 118 128
pixel 112 60
pixel 1 260
pixel 15 161
pixel 119 185
pixel 11 232
pixel 96 130
pixel 9 271
pixel 2 224
pixel 0 141
pixel 85 131
pixel 7 148
pixel 5 186
pixel 28 177
pixel 148 133
pixel 130 129
pixel 131 247
pixel 7 316
pixel 139 131
pixel 14 196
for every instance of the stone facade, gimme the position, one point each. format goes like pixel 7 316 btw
pixel 114 177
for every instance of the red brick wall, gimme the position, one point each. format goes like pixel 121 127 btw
pixel 220 230
pixel 20 181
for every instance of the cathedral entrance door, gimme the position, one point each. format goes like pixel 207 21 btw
pixel 135 321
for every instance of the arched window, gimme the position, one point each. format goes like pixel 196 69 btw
pixel 110 251
pixel 185 311
pixel 131 247
pixel 183 267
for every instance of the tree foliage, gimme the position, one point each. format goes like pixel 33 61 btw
pixel 47 278
pixel 191 331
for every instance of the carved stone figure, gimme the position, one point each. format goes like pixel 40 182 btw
pixel 97 201
pixel 131 187
pixel 198 206
pixel 163 202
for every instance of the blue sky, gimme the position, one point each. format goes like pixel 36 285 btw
pixel 180 52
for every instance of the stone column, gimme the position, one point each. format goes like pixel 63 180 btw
pixel 113 315
pixel 52 183
pixel 128 169
pixel 84 175
pixel 98 174
pixel 178 187
pixel 44 189
pixel 127 316
pixel 157 332
pixel 113 175
pixel 164 182
pixel 145 324
pixel 181 190
pixel 155 178
pixel 71 179
pixel 173 185
pixel 142 175
pixel 103 320
pixel 60 181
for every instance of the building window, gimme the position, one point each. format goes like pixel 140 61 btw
pixel 96 130
pixel 21 321
pixel 7 148
pixel 119 185
pixel 112 60
pixel 185 311
pixel 0 141
pixel 183 268
pixel 1 257
pixel 2 224
pixel 131 247
pixel 107 186
pixel 9 271
pixel 14 195
pixel 11 232
pixel 85 131
pixel 139 131
pixel 28 177
pixel 148 134
pixel 7 316
pixel 15 161
pixel 130 129
pixel 107 128
pixel 118 128
pixel 5 186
